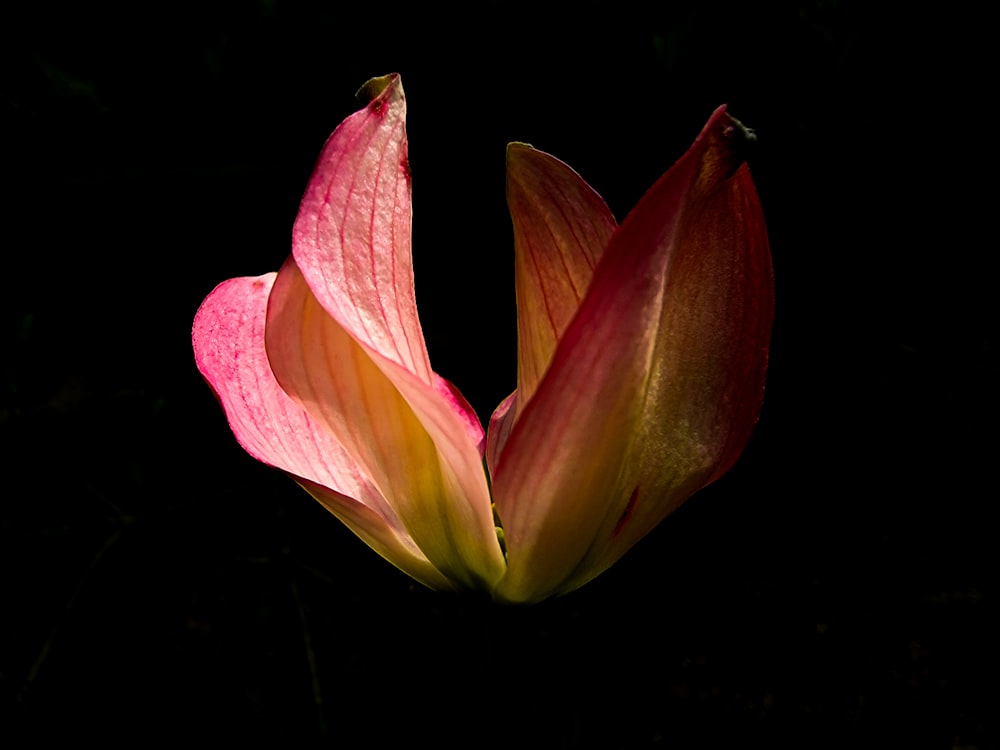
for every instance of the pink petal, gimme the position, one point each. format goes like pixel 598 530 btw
pixel 655 384
pixel 344 340
pixel 414 440
pixel 228 339
pixel 352 235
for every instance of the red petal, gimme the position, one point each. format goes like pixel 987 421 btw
pixel 655 383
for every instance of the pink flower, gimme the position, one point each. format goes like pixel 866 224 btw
pixel 641 361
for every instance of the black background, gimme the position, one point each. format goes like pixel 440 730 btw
pixel 834 590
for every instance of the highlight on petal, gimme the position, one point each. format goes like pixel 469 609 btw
pixel 345 364
pixel 344 340
pixel 228 339
pixel 709 367
pixel 352 234
pixel 655 383
pixel 411 438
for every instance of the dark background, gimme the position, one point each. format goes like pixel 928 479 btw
pixel 834 590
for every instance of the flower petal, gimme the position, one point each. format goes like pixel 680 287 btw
pixel 352 234
pixel 501 424
pixel 561 227
pixel 655 384
pixel 344 340
pixel 709 371
pixel 228 339
pixel 409 437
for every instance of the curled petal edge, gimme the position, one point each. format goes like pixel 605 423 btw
pixel 228 340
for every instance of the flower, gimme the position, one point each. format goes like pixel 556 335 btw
pixel 641 360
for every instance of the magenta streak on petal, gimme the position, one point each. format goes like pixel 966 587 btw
pixel 627 513
pixel 395 266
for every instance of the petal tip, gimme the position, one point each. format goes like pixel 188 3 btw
pixel 375 91
pixel 514 147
